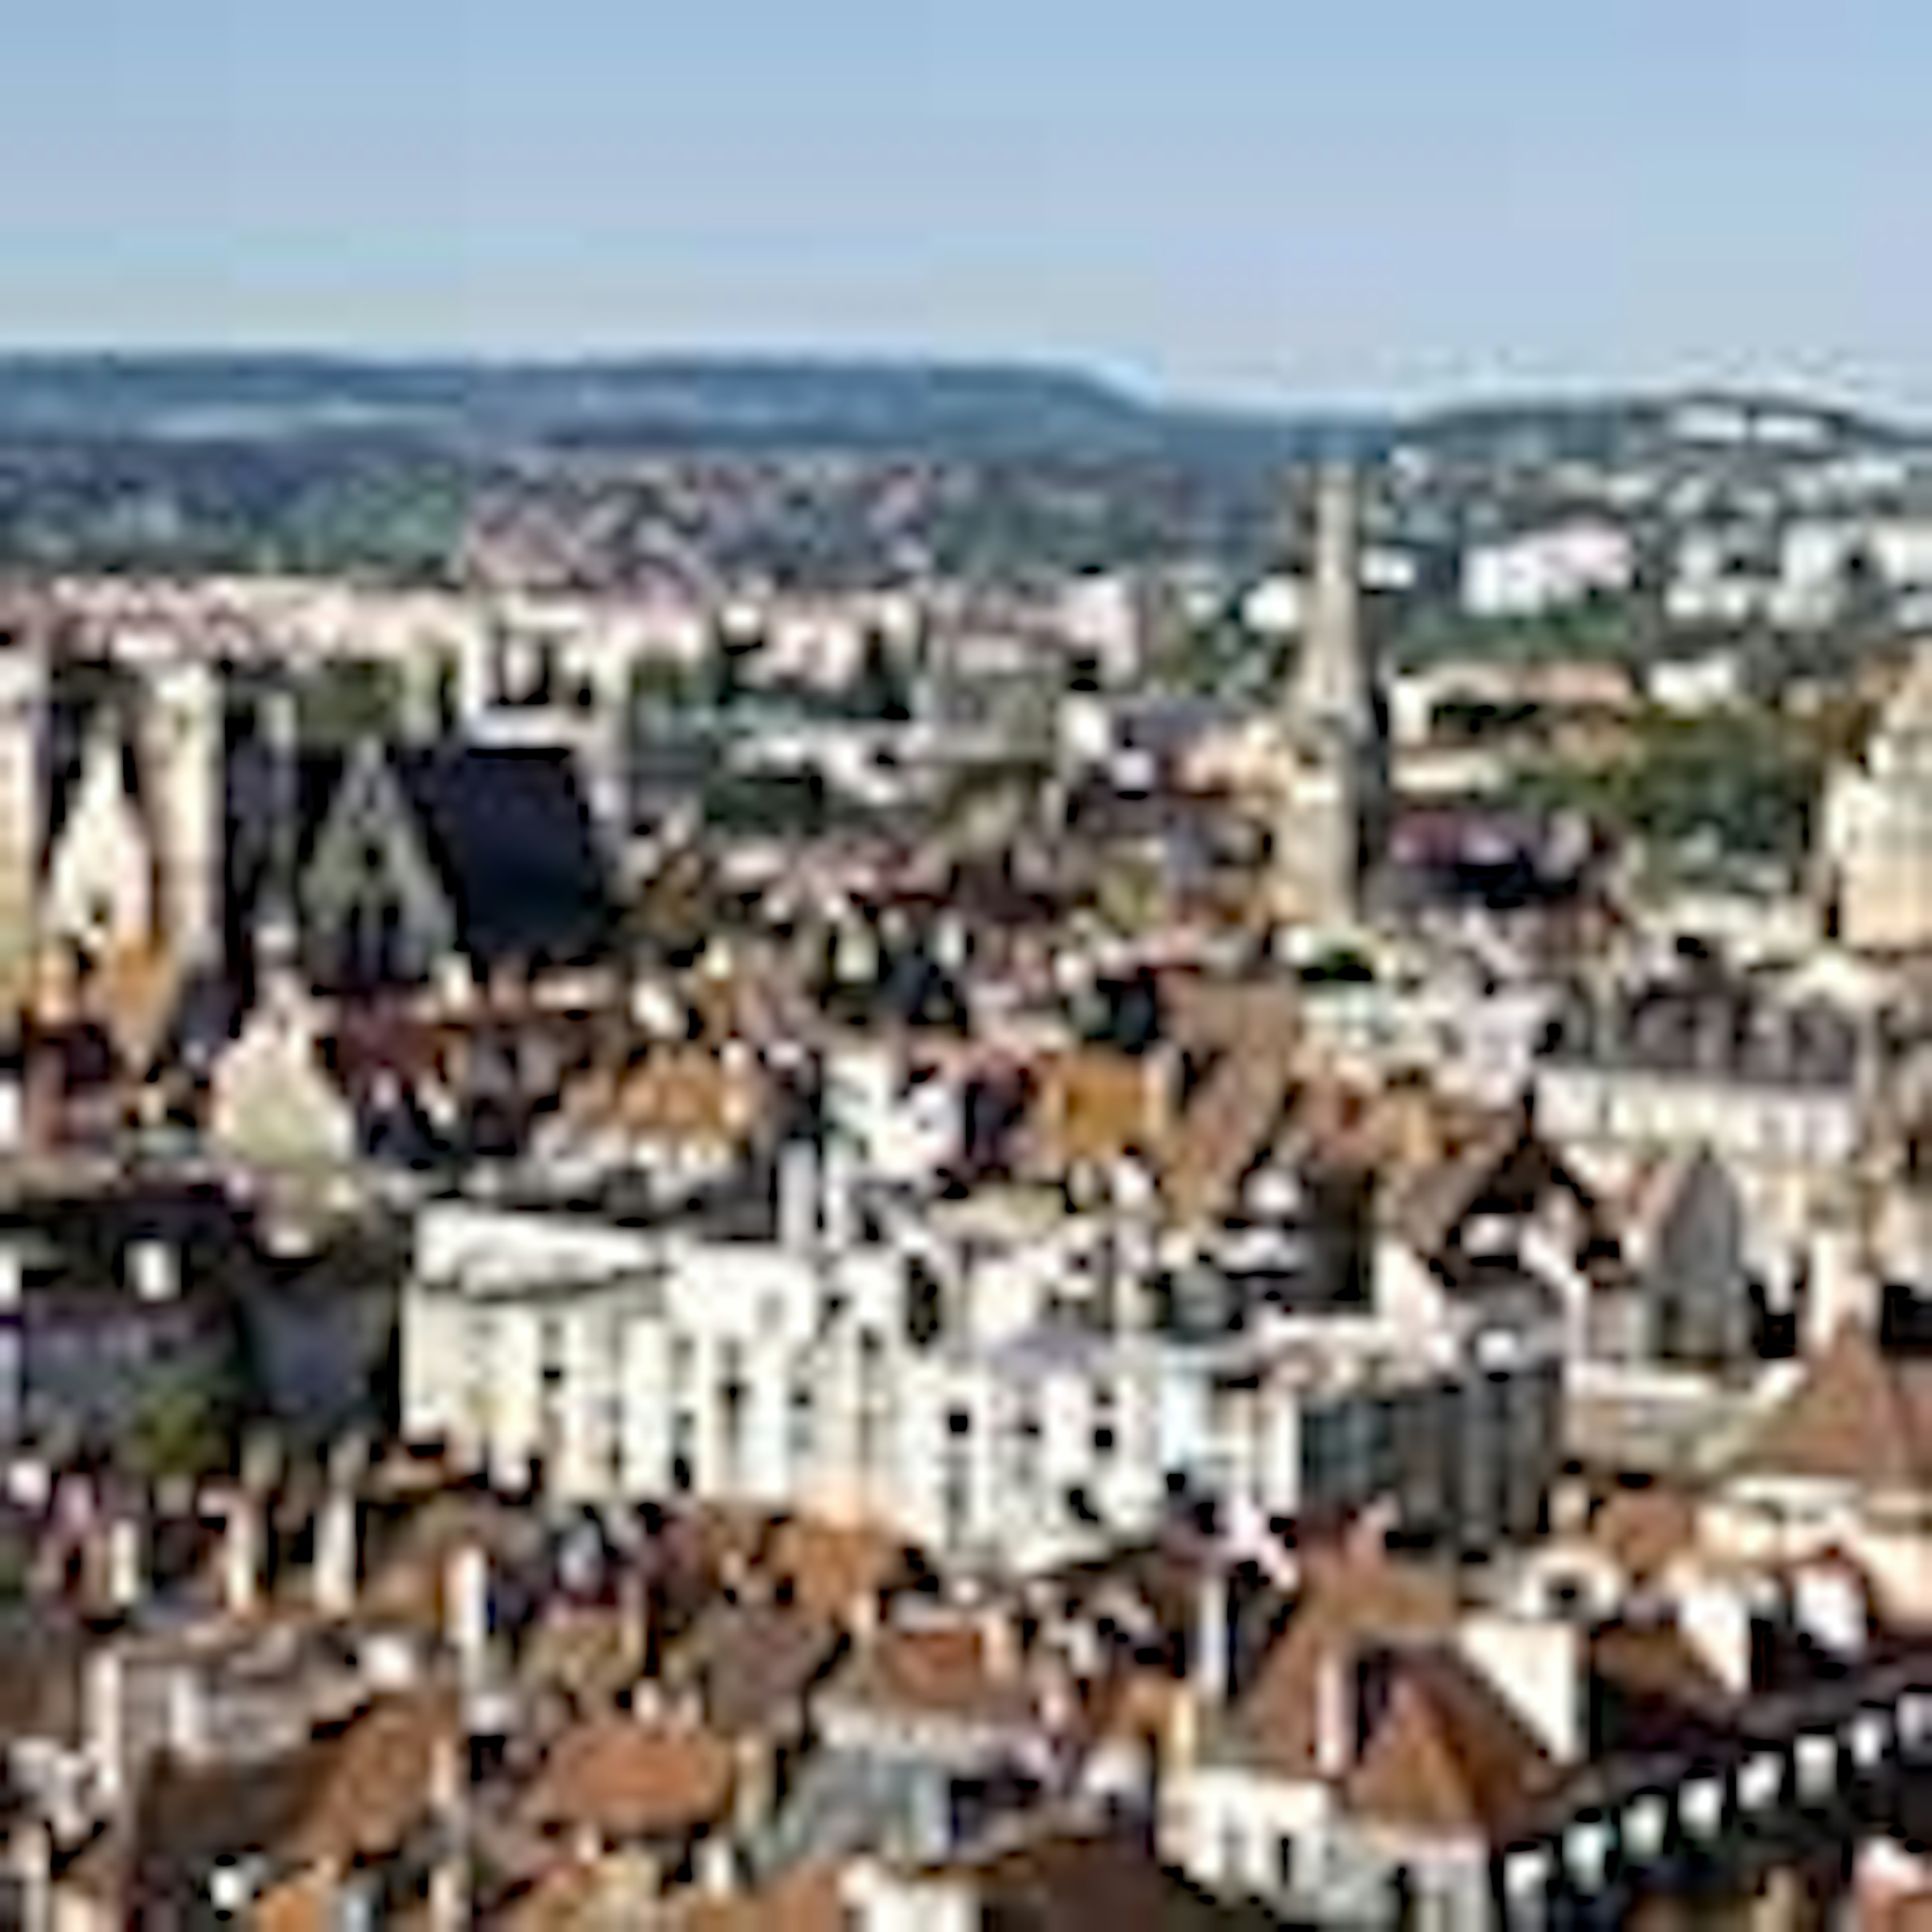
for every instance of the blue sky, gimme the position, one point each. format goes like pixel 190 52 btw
pixel 1265 199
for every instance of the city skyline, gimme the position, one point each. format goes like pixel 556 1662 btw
pixel 1239 204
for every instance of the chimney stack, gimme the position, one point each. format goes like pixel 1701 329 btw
pixel 104 1695
pixel 127 1563
pixel 999 1642
pixel 467 1607
pixel 1213 1638
pixel 1335 1712
pixel 31 1855
pixel 188 1713
pixel 338 1532
pixel 241 1552
pixel 449 1796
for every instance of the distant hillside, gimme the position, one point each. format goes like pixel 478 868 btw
pixel 751 403
pixel 744 404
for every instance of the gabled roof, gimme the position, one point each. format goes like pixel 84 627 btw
pixel 1644 1531
pixel 945 1671
pixel 1351 1601
pixel 1859 1416
pixel 753 1663
pixel 358 1793
pixel 509 833
pixel 1449 1759
pixel 628 1778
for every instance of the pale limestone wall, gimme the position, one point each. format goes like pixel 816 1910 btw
pixel 100 885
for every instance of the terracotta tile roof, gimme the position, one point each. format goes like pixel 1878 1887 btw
pixel 307 1902
pixel 1063 1881
pixel 831 1565
pixel 1857 1416
pixel 359 1793
pixel 943 1671
pixel 1096 1106
pixel 628 1778
pixel 1222 1132
pixel 1643 1532
pixel 753 1664
pixel 618 1890
pixel 1350 1602
pixel 590 1653
pixel 1449 1759
pixel 376 1779
pixel 671 1093
pixel 808 1898
pixel 1656 1660
pixel 134 994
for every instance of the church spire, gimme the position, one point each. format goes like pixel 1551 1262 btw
pixel 1334 693
pixel 1328 840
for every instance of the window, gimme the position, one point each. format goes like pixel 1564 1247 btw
pixel 801 1430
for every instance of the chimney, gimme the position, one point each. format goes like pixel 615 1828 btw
pixel 754 1791
pixel 1181 1740
pixel 637 1602
pixel 718 1866
pixel 188 1713
pixel 797 1183
pixel 467 1607
pixel 104 1698
pixel 838 1201
pixel 241 1552
pixel 338 1533
pixel 449 1798
pixel 1213 1638
pixel 862 1617
pixel 30 1853
pixel 1335 1712
pixel 127 1564
pixel 337 1554
pixel 999 1642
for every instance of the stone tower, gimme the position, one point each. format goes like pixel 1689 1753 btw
pixel 1328 839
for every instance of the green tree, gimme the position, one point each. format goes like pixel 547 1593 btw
pixel 182 1427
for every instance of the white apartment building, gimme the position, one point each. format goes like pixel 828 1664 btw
pixel 995 1395
pixel 1540 570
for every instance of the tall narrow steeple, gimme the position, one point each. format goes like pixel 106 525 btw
pixel 1334 691
pixel 1330 835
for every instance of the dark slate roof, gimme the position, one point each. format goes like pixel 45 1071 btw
pixel 509 833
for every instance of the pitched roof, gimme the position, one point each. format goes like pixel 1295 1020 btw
pixel 670 1094
pixel 509 833
pixel 357 1793
pixel 1449 1759
pixel 1656 1660
pixel 829 1565
pixel 807 1898
pixel 628 1777
pixel 1644 1531
pixel 943 1671
pixel 1858 1417
pixel 1069 1881
pixel 1350 1600
pixel 754 1662
pixel 1096 1105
